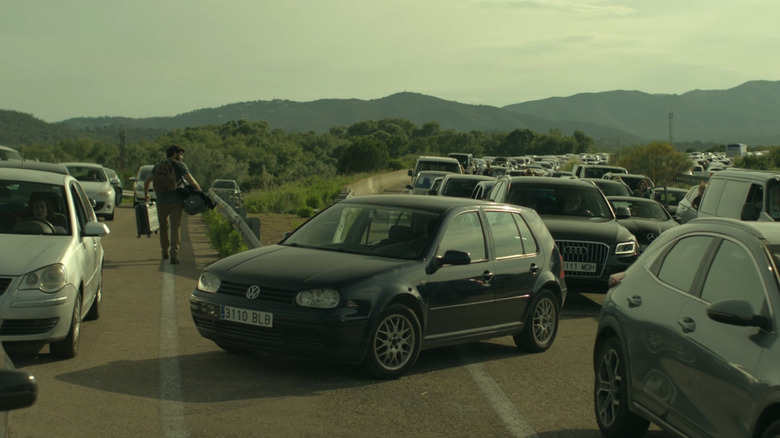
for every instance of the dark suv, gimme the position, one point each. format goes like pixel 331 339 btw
pixel 594 245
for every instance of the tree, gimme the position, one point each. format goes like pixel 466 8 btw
pixel 364 155
pixel 658 160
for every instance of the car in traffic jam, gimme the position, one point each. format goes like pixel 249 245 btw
pixel 385 277
pixel 688 336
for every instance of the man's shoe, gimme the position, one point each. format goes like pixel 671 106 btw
pixel 174 261
pixel 165 256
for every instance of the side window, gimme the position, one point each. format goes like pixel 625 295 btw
pixel 529 244
pixel 499 191
pixel 754 204
pixel 712 196
pixel 81 206
pixel 733 275
pixel 464 233
pixel 506 236
pixel 679 267
pixel 735 195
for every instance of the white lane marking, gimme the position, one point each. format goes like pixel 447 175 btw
pixel 171 402
pixel 513 420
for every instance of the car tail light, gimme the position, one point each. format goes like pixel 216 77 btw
pixel 615 279
pixel 561 273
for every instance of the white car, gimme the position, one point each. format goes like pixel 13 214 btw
pixel 51 260
pixel 138 185
pixel 95 181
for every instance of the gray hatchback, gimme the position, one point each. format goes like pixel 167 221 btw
pixel 689 338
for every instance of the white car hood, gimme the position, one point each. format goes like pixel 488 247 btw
pixel 21 254
pixel 93 188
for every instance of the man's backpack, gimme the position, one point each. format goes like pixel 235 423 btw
pixel 165 180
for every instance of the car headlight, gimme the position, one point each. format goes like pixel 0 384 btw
pixel 208 282
pixel 49 279
pixel 105 194
pixel 319 298
pixel 625 248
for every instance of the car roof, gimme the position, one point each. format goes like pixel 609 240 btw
pixel 43 176
pixel 631 199
pixel 551 181
pixel 35 165
pixel 768 231
pixel 431 203
pixel 83 164
pixel 467 176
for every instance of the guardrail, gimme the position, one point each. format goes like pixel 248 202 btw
pixel 239 222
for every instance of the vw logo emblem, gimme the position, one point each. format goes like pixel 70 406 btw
pixel 253 292
pixel 575 250
pixel 651 236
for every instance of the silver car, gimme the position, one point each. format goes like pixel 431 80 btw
pixel 51 259
pixel 95 181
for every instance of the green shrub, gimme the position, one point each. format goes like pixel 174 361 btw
pixel 305 211
pixel 222 236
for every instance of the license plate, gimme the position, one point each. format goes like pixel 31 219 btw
pixel 579 267
pixel 245 316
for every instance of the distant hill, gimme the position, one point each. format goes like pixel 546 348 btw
pixel 749 113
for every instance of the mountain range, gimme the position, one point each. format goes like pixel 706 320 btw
pixel 748 113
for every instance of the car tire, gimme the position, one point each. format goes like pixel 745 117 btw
pixel 541 324
pixel 772 431
pixel 110 217
pixel 394 343
pixel 610 394
pixel 69 347
pixel 94 310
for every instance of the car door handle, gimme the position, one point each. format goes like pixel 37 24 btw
pixel 634 301
pixel 535 268
pixel 487 276
pixel 688 324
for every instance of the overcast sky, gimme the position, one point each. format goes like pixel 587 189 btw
pixel 143 58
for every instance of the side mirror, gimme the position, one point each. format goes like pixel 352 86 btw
pixel 410 173
pixel 451 257
pixel 737 312
pixel 622 213
pixel 409 187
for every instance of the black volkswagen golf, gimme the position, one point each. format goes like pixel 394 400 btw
pixel 376 279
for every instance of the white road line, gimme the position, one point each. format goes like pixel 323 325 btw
pixel 512 418
pixel 171 405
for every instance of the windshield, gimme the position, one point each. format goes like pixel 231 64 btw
pixel 384 231
pixel 644 210
pixel 560 200
pixel 87 174
pixel 32 208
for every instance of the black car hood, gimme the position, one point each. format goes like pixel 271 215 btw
pixel 593 229
pixel 641 227
pixel 288 267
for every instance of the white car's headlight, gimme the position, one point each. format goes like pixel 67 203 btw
pixel 49 279
pixel 319 298
pixel 105 194
pixel 208 282
pixel 624 248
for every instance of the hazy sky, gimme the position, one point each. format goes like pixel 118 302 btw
pixel 140 58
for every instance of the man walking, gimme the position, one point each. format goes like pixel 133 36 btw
pixel 168 175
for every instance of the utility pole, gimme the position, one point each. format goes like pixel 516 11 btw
pixel 671 116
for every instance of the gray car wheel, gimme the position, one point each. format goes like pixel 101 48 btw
pixel 610 394
pixel 394 343
pixel 541 324
pixel 69 346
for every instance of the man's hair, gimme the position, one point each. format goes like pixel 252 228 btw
pixel 173 150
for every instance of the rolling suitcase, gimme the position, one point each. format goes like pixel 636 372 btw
pixel 146 219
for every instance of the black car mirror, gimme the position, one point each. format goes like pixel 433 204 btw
pixel 451 257
pixel 622 213
pixel 18 389
pixel 736 312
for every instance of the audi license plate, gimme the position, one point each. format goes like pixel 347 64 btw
pixel 244 316
pixel 579 267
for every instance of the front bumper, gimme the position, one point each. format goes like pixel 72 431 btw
pixel 36 316
pixel 313 335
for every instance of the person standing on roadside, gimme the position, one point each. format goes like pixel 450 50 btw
pixel 169 202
